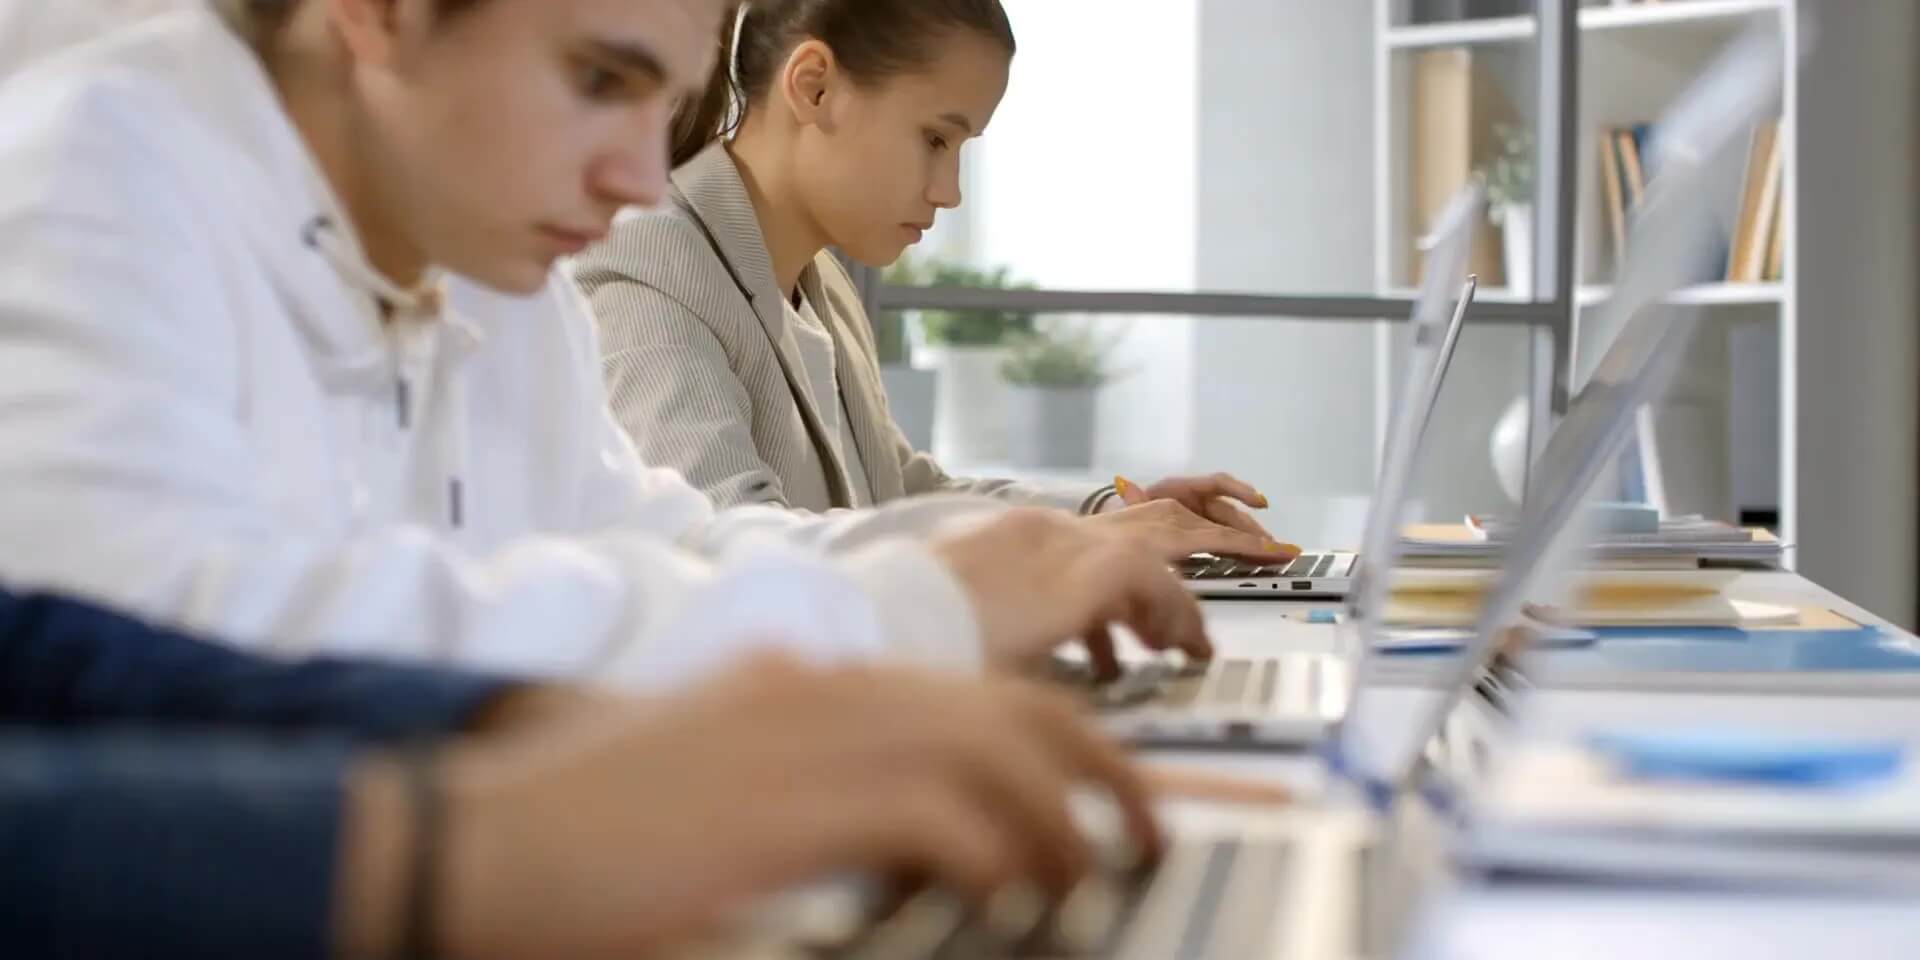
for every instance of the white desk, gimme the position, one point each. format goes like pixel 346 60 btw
pixel 1532 922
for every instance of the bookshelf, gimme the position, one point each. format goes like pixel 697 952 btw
pixel 1634 61
pixel 1671 16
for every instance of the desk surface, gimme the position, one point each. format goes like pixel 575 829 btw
pixel 1503 921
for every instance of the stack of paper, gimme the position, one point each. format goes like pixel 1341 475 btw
pixel 1692 529
pixel 1600 609
pixel 1680 545
pixel 1742 809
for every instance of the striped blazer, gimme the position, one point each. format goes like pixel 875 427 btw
pixel 704 372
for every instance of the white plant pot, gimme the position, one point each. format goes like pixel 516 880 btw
pixel 1051 427
pixel 1516 233
pixel 970 406
pixel 911 398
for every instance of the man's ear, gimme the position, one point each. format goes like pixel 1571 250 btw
pixel 371 29
pixel 809 81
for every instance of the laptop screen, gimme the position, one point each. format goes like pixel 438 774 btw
pixel 1434 330
pixel 1674 238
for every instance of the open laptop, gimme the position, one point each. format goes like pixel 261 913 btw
pixel 1544 556
pixel 1291 700
pixel 1675 240
pixel 1647 804
pixel 1338 876
pixel 1320 575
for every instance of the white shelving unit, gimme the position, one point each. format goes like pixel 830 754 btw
pixel 1635 58
pixel 1710 15
pixel 1706 294
pixel 1593 294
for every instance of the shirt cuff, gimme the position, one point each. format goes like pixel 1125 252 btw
pixel 924 614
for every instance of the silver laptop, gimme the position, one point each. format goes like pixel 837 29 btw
pixel 1320 575
pixel 1674 242
pixel 1334 877
pixel 1289 883
pixel 1292 699
pixel 1338 876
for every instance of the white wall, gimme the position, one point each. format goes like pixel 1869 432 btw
pixel 1859 313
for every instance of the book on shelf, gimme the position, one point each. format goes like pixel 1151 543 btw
pixel 1776 218
pixel 1643 143
pixel 1627 171
pixel 1777 249
pixel 1614 198
pixel 1756 229
pixel 1633 178
pixel 1455 104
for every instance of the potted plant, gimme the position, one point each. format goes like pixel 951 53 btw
pixel 1054 379
pixel 967 348
pixel 1509 179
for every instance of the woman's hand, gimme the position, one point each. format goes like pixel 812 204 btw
pixel 1188 515
pixel 1212 497
pixel 1171 532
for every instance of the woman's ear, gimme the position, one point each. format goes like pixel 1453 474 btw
pixel 809 80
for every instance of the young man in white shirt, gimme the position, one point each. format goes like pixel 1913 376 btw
pixel 287 358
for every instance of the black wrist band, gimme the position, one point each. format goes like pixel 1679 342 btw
pixel 417 931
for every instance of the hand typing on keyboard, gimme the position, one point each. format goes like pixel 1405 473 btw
pixel 1172 531
pixel 773 774
pixel 1182 906
pixel 1136 682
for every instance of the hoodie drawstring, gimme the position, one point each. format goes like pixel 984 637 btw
pixel 396 307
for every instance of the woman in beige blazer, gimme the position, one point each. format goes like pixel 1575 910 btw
pixel 736 349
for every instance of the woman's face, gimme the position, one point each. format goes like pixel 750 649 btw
pixel 880 162
pixel 509 134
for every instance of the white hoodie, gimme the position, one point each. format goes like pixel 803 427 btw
pixel 204 418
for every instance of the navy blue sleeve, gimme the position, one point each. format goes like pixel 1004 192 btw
pixel 158 846
pixel 66 663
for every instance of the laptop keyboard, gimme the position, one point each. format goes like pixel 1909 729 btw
pixel 1203 566
pixel 1230 687
pixel 1225 684
pixel 1208 899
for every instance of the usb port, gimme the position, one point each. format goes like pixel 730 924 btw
pixel 1302 585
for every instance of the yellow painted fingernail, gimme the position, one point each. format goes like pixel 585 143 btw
pixel 1275 546
pixel 1121 486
